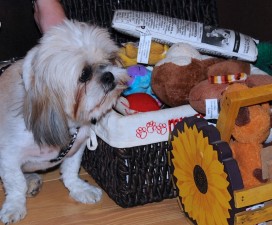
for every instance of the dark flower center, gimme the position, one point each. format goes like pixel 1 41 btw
pixel 200 179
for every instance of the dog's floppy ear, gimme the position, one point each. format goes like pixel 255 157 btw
pixel 28 72
pixel 42 110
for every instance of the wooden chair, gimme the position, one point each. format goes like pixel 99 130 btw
pixel 225 123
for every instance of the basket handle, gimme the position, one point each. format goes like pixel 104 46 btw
pixel 92 141
pixel 232 103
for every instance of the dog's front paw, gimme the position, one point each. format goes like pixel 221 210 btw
pixel 12 213
pixel 34 184
pixel 85 193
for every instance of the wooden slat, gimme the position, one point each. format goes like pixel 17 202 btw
pixel 235 100
pixel 227 116
pixel 253 195
pixel 253 217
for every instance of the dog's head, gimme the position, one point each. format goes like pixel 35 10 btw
pixel 70 79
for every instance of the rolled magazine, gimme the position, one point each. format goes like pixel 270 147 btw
pixel 206 39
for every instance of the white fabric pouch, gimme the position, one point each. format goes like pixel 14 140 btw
pixel 140 129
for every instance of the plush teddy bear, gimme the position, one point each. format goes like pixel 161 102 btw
pixel 233 69
pixel 174 76
pixel 251 129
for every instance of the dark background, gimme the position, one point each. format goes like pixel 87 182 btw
pixel 19 31
pixel 251 17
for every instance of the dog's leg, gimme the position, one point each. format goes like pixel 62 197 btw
pixel 14 207
pixel 34 184
pixel 80 190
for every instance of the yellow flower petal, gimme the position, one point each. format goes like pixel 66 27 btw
pixel 208 213
pixel 182 174
pixel 186 144
pixel 181 151
pixel 201 220
pixel 208 156
pixel 222 198
pixel 218 213
pixel 188 204
pixel 217 216
pixel 215 167
pixel 177 146
pixel 200 146
pixel 192 140
pixel 221 214
pixel 218 181
pixel 185 189
pixel 181 162
pixel 197 206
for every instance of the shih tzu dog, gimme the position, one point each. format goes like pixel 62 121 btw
pixel 48 102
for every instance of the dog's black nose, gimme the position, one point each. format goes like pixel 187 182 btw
pixel 107 81
pixel 107 78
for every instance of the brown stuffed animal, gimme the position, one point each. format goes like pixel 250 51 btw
pixel 175 75
pixel 251 129
pixel 208 90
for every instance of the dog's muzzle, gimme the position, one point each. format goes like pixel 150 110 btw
pixel 108 81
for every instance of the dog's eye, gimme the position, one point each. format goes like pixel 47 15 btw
pixel 102 66
pixel 86 74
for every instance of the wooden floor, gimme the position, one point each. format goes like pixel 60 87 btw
pixel 54 206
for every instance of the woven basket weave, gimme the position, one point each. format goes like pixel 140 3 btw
pixel 141 174
pixel 131 176
pixel 101 12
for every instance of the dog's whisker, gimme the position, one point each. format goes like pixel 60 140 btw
pixel 121 86
pixel 103 99
pixel 85 85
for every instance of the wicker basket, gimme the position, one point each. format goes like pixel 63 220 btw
pixel 131 176
pixel 101 12
pixel 130 165
pixel 135 175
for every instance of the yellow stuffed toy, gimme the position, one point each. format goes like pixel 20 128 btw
pixel 128 53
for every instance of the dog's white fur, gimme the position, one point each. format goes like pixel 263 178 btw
pixel 42 103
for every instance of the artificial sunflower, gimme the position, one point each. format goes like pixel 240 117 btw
pixel 200 176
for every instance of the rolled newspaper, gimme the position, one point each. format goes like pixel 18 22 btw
pixel 206 39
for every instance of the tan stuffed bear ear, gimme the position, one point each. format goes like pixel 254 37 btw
pixel 227 67
pixel 243 117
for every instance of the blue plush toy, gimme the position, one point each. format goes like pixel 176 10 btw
pixel 140 81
